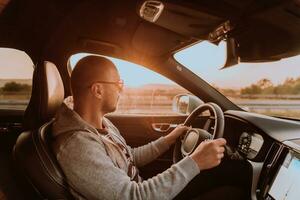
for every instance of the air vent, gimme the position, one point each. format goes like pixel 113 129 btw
pixel 272 154
pixel 268 169
pixel 151 10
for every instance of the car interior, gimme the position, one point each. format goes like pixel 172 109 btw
pixel 148 33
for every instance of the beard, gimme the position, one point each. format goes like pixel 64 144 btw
pixel 110 106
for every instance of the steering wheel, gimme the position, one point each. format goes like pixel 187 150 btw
pixel 194 136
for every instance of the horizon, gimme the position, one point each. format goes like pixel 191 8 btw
pixel 148 85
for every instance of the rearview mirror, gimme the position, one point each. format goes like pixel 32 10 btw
pixel 231 57
pixel 185 103
pixel 206 55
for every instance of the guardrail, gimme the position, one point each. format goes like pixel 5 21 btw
pixel 167 104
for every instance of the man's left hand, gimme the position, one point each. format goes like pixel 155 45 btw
pixel 177 132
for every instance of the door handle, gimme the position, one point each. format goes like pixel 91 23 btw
pixel 163 127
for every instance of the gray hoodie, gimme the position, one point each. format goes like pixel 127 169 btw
pixel 95 169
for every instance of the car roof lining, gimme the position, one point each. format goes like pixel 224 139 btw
pixel 63 23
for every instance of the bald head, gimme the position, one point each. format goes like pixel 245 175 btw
pixel 89 70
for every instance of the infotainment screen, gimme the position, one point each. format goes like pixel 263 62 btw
pixel 286 185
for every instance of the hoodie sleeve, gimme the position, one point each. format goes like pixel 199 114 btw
pixel 92 174
pixel 147 153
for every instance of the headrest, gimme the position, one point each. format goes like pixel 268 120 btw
pixel 46 96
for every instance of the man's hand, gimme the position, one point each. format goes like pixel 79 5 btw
pixel 178 131
pixel 209 153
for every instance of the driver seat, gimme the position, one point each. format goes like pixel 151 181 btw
pixel 32 153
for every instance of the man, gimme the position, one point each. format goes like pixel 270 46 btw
pixel 97 162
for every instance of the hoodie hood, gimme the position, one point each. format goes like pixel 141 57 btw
pixel 67 120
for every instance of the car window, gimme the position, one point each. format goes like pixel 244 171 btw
pixel 145 91
pixel 271 88
pixel 16 69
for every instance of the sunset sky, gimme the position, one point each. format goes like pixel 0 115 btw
pixel 206 59
pixel 203 59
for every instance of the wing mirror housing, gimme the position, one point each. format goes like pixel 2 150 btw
pixel 185 103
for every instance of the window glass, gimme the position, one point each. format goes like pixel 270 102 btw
pixel 145 91
pixel 271 88
pixel 16 69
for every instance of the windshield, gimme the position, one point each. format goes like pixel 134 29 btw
pixel 271 88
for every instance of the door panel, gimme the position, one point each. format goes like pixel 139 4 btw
pixel 138 130
pixel 10 128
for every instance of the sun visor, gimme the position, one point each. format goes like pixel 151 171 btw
pixel 153 40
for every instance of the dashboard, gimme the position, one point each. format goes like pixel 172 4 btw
pixel 272 144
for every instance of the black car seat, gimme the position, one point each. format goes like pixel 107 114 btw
pixel 32 152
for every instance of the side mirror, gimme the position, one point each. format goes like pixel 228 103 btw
pixel 185 103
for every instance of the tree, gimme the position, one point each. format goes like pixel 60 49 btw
pixel 296 89
pixel 253 89
pixel 264 83
pixel 290 86
pixel 15 87
pixel 289 81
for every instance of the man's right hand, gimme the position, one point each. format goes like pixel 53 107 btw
pixel 209 153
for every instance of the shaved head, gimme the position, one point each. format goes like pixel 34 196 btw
pixel 96 87
pixel 89 70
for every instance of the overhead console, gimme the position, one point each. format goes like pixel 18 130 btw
pixel 280 177
pixel 183 20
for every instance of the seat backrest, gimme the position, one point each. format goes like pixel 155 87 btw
pixel 46 96
pixel 32 153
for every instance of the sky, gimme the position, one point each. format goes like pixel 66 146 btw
pixel 15 64
pixel 133 75
pixel 204 59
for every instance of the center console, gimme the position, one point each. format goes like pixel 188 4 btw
pixel 280 177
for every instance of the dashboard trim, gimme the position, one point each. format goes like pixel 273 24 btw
pixel 277 128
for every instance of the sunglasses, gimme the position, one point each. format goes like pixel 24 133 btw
pixel 119 84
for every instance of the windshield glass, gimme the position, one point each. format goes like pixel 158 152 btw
pixel 271 88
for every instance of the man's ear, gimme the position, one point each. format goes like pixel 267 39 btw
pixel 96 90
